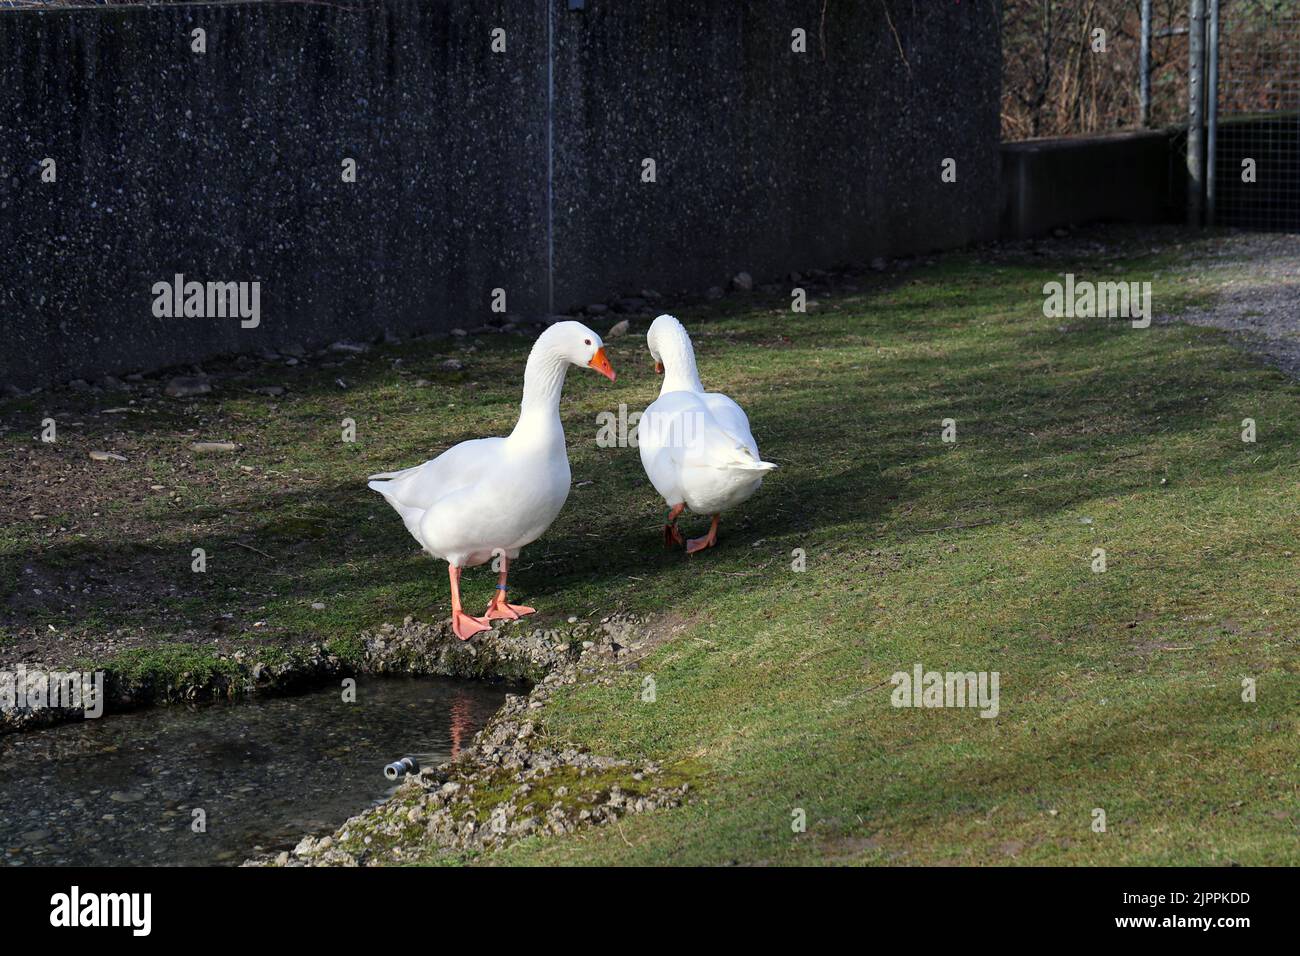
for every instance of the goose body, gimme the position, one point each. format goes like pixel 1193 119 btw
pixel 493 496
pixel 480 497
pixel 696 446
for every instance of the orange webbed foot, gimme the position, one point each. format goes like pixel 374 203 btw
pixel 708 541
pixel 464 626
pixel 500 609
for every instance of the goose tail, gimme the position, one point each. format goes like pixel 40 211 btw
pixel 751 465
pixel 740 458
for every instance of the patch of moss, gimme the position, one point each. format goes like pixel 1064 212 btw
pixel 349 648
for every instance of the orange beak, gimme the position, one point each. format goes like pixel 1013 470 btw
pixel 600 362
pixel 659 368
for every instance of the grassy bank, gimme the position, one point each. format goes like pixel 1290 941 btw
pixel 1119 690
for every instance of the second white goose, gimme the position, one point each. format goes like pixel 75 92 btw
pixel 696 446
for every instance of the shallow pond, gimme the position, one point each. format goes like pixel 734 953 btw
pixel 123 790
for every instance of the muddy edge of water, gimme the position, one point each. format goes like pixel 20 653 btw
pixel 487 798
pixel 512 651
pixel 515 780
pixel 207 784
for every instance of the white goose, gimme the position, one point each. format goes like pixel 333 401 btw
pixel 696 446
pixel 494 495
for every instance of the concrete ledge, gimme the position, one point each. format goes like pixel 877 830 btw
pixel 1133 176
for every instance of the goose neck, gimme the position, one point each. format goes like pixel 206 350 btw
pixel 678 357
pixel 543 382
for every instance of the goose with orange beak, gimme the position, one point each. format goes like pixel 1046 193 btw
pixel 696 446
pixel 489 497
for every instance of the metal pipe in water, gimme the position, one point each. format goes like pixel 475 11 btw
pixel 400 768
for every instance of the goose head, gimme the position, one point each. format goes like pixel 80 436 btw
pixel 580 345
pixel 663 330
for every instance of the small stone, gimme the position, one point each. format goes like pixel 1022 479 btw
pixel 211 446
pixel 282 859
pixel 714 292
pixel 452 365
pixel 597 308
pixel 106 456
pixel 351 348
pixel 619 328
pixel 459 333
pixel 125 796
pixel 274 391
pixel 317 606
pixel 879 264
pixel 187 386
pixel 742 282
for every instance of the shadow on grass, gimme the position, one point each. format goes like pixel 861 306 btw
pixel 850 401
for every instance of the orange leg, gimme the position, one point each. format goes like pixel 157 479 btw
pixel 462 624
pixel 499 607
pixel 671 535
pixel 708 541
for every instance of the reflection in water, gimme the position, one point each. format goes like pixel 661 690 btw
pixel 463 724
pixel 134 788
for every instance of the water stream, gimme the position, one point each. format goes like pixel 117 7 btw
pixel 123 790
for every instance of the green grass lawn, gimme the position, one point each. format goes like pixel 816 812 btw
pixel 1119 690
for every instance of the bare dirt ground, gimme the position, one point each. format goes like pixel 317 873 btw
pixel 1255 278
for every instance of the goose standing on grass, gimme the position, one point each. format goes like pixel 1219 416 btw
pixel 492 496
pixel 696 446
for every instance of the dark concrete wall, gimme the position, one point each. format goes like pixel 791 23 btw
pixel 226 166
pixel 1124 177
pixel 767 159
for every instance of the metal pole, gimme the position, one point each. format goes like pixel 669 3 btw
pixel 1196 114
pixel 1144 67
pixel 1212 110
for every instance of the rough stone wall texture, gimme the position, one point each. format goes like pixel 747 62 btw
pixel 226 166
pixel 769 160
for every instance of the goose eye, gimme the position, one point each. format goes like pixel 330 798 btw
pixel 586 341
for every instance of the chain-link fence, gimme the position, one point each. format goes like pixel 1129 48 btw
pixel 1257 156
